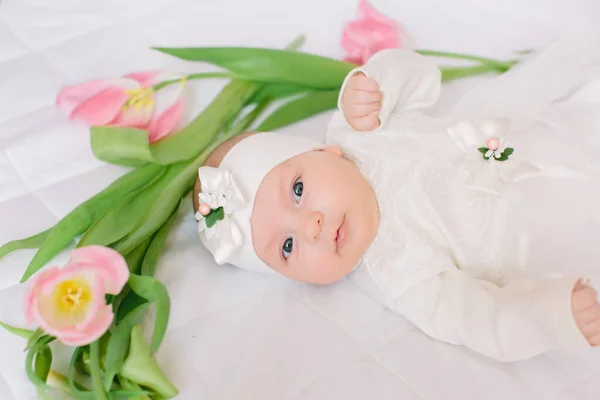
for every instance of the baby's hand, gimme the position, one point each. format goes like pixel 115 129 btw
pixel 586 310
pixel 361 102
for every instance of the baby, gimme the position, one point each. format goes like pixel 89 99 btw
pixel 465 225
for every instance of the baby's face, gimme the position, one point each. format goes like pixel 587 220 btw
pixel 314 216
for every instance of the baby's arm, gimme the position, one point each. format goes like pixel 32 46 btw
pixel 520 320
pixel 392 81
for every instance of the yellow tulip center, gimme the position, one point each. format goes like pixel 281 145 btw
pixel 139 98
pixel 73 295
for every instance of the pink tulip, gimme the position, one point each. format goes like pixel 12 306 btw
pixel 69 303
pixel 370 33
pixel 127 102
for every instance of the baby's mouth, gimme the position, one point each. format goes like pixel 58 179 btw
pixel 340 236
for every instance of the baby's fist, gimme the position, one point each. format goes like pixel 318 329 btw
pixel 586 311
pixel 361 102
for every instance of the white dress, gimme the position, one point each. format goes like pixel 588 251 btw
pixel 484 253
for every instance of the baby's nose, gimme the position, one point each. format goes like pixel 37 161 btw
pixel 313 226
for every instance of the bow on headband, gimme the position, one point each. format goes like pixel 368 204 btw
pixel 219 199
pixel 489 164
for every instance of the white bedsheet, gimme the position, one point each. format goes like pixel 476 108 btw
pixel 233 334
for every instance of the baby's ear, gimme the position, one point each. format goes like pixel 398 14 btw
pixel 332 149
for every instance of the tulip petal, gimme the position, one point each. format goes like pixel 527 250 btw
pixel 164 124
pixel 92 332
pixel 55 320
pixel 168 112
pixel 33 292
pixel 135 117
pixel 71 96
pixel 108 263
pixel 101 108
pixel 370 33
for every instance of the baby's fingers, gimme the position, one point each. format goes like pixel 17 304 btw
pixel 364 83
pixel 362 97
pixel 584 297
pixel 366 123
pixel 361 110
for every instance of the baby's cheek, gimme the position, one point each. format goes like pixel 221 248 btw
pixel 329 270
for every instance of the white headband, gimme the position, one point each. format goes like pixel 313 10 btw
pixel 233 186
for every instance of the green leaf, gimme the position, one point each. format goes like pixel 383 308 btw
pixel 81 218
pixel 35 368
pixel 136 256
pixel 508 151
pixel 119 344
pixel 156 247
pixel 141 367
pixel 270 65
pixel 32 242
pixel 215 215
pixel 154 291
pixel 131 147
pixel 79 391
pixel 35 338
pixel 200 133
pixel 83 393
pixel 276 91
pixel 127 384
pixel 300 109
pixel 129 302
pixel 121 146
pixel 123 218
pixel 503 157
pixel 24 333
pixel 164 206
pixel 96 372
pixel 483 150
pixel 43 363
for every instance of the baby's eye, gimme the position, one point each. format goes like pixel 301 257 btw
pixel 297 189
pixel 288 246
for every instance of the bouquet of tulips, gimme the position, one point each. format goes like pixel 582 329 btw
pixel 96 302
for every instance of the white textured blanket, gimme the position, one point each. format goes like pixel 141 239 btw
pixel 233 334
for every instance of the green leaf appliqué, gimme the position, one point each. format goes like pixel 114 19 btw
pixel 214 216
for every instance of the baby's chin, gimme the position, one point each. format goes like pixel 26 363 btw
pixel 324 276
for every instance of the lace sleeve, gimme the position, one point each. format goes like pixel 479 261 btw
pixel 517 321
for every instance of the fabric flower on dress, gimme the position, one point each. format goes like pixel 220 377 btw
pixel 220 197
pixel 489 167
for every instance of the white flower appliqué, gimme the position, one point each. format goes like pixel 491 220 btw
pixel 219 199
pixel 494 165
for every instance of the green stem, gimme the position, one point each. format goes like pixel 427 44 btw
pixel 296 43
pixel 454 73
pixel 460 56
pixel 201 75
pixel 95 371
